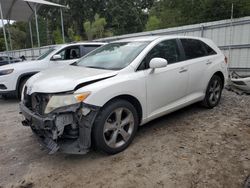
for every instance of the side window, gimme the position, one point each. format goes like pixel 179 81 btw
pixel 72 52
pixel 89 48
pixel 209 50
pixel 193 48
pixel 168 50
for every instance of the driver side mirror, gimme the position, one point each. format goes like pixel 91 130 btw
pixel 158 63
pixel 56 57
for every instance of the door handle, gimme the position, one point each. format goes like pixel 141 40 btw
pixel 209 62
pixel 183 70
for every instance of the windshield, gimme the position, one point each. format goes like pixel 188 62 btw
pixel 45 54
pixel 113 56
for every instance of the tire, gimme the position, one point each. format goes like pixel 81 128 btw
pixel 213 92
pixel 112 134
pixel 20 87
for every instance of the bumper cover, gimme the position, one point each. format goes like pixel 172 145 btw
pixel 49 128
pixel 10 93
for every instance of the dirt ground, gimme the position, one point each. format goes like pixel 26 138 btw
pixel 193 147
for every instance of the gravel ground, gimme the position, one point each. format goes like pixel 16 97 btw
pixel 193 147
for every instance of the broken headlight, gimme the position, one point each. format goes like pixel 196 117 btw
pixel 58 101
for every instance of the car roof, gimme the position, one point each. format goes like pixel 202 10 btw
pixel 155 37
pixel 82 43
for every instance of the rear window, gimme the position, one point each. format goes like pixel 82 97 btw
pixel 195 48
pixel 209 50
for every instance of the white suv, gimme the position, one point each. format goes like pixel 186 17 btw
pixel 103 98
pixel 13 76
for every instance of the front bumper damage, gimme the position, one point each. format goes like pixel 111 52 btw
pixel 66 129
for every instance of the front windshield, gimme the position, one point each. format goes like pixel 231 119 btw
pixel 45 54
pixel 113 56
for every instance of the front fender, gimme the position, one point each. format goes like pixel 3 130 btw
pixel 133 84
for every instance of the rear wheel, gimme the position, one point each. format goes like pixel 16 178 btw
pixel 115 126
pixel 213 92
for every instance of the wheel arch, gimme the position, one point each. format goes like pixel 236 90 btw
pixel 221 75
pixel 131 99
pixel 22 77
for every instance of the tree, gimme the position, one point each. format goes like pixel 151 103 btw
pixel 72 35
pixel 88 29
pixel 178 12
pixel 153 23
pixel 99 25
pixel 57 36
pixel 127 16
pixel 95 29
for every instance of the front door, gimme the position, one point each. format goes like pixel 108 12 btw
pixel 68 55
pixel 165 86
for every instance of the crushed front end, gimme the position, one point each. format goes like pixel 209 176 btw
pixel 66 129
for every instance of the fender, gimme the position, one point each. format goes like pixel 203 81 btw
pixel 24 75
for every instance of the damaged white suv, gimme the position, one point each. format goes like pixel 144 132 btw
pixel 102 99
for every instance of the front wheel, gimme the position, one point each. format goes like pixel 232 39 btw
pixel 115 126
pixel 213 92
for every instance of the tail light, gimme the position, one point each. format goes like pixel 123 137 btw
pixel 226 60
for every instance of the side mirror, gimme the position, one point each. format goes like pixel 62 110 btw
pixel 56 57
pixel 158 63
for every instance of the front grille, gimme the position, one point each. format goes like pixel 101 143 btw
pixel 36 102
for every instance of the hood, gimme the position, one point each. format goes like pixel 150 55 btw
pixel 65 79
pixel 14 60
pixel 17 65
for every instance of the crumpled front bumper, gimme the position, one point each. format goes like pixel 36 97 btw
pixel 50 128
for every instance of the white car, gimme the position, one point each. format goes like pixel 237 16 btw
pixel 102 99
pixel 13 76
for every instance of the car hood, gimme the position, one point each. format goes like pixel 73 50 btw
pixel 65 79
pixel 18 65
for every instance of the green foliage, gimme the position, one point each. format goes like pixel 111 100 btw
pixel 57 36
pixel 18 38
pixel 98 18
pixel 89 30
pixel 95 29
pixel 127 16
pixel 178 12
pixel 2 44
pixel 98 26
pixel 71 34
pixel 153 23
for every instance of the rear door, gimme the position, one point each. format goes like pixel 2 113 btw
pixel 199 56
pixel 165 86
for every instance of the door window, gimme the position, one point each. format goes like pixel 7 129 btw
pixel 72 52
pixel 168 50
pixel 195 48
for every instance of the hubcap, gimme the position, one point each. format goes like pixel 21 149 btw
pixel 118 127
pixel 214 92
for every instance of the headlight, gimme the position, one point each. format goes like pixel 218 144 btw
pixel 57 101
pixel 5 72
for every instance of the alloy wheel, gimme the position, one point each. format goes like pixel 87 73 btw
pixel 214 91
pixel 118 127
